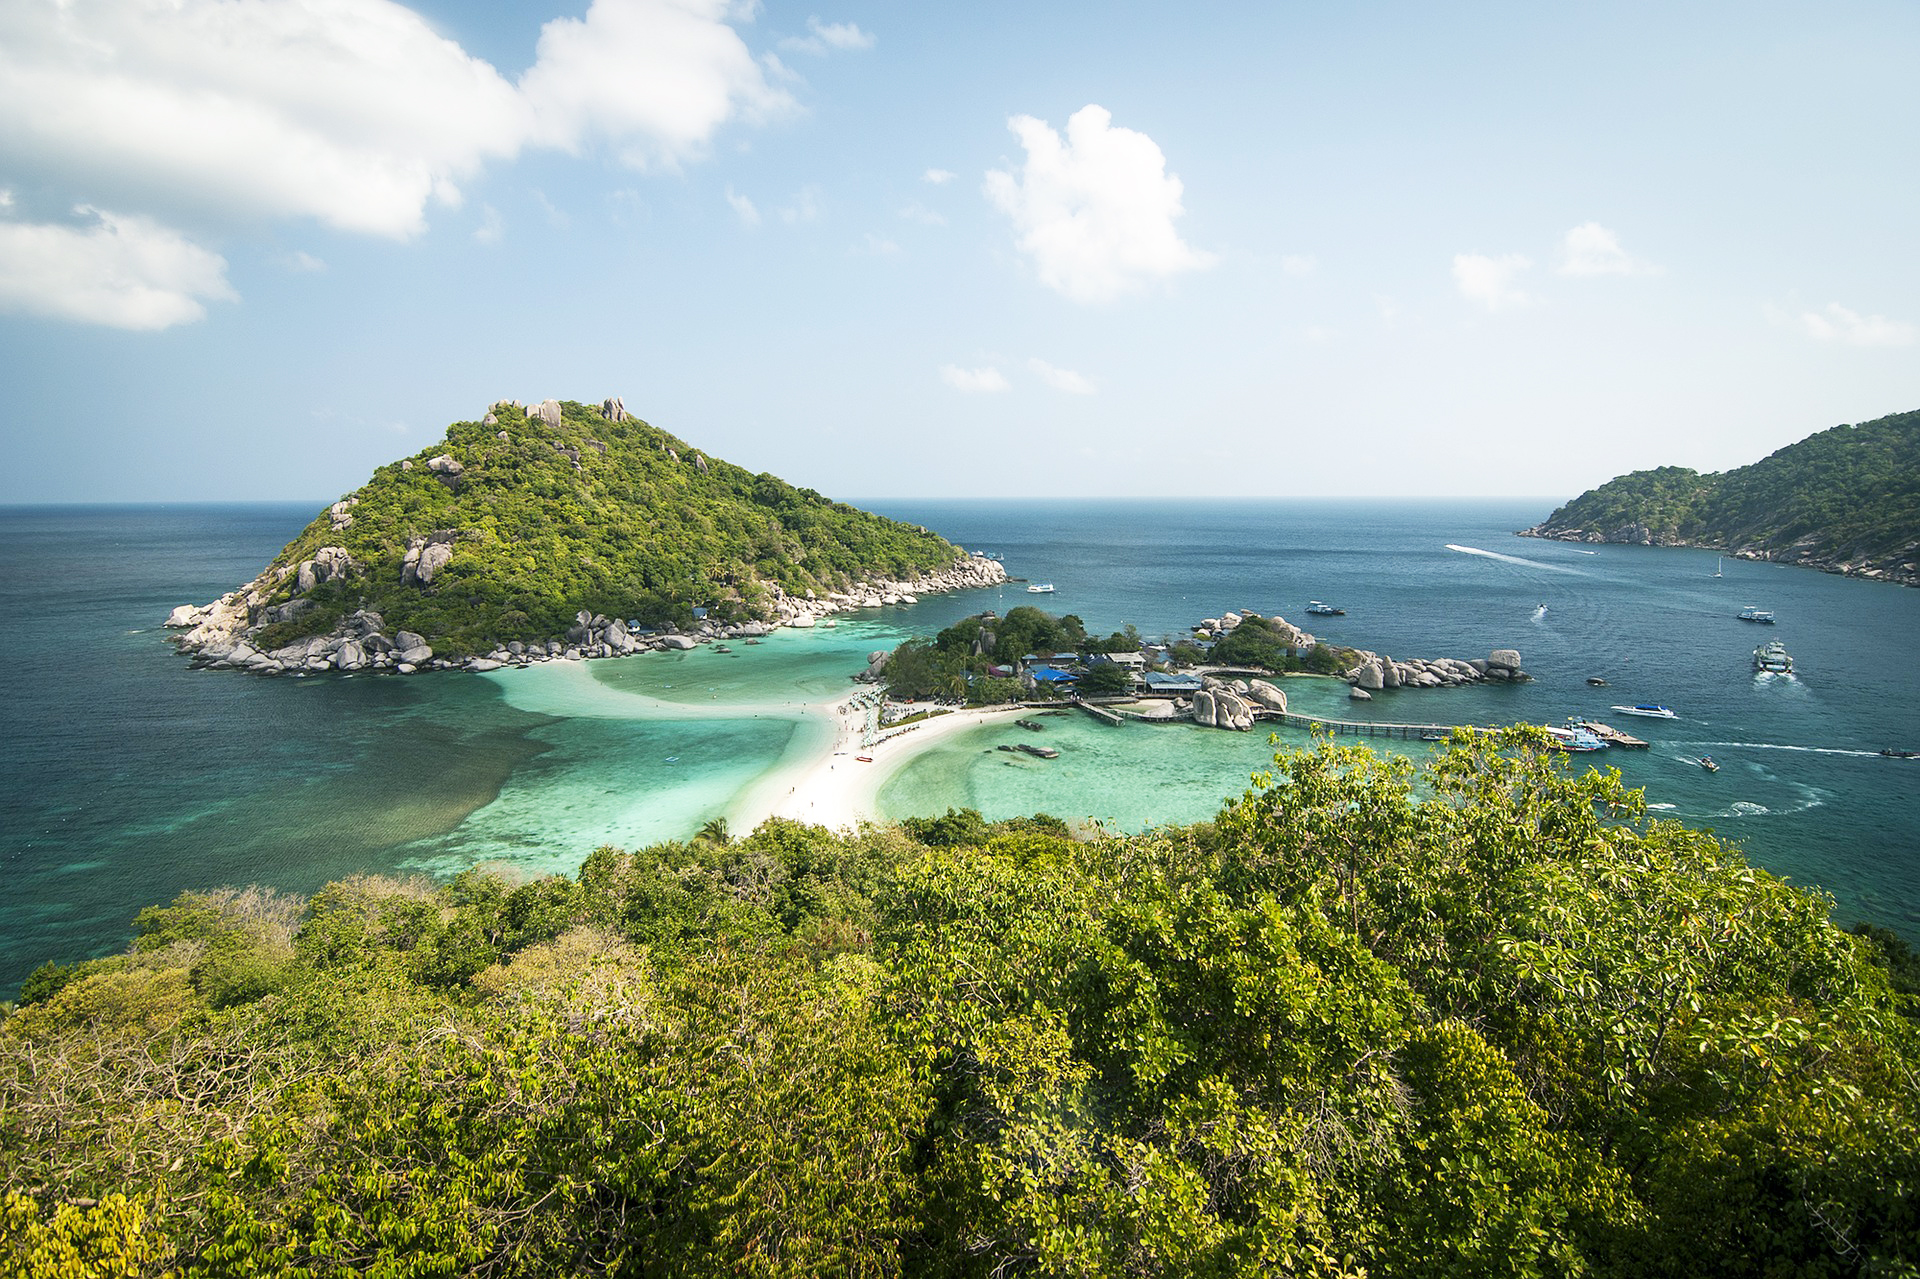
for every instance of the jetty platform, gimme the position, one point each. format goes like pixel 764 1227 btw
pixel 1359 728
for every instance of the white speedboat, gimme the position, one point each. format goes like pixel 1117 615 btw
pixel 1648 710
pixel 1040 588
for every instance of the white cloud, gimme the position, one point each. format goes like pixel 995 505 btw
pixel 1299 264
pixel 1096 210
pixel 556 216
pixel 125 272
pixel 1061 379
pixel 301 262
pixel 654 79
pixel 1491 280
pixel 939 177
pixel 828 36
pixel 6 198
pixel 880 246
pixel 918 212
pixel 973 380
pixel 491 226
pixel 1838 324
pixel 1591 249
pixel 356 114
pixel 743 208
pixel 805 207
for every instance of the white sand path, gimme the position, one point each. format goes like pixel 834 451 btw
pixel 823 781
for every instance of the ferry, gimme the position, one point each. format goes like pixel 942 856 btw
pixel 1317 609
pixel 1752 614
pixel 1647 710
pixel 1772 658
pixel 1040 588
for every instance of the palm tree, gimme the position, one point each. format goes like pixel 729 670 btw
pixel 716 832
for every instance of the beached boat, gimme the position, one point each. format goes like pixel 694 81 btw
pixel 1317 609
pixel 1772 658
pixel 1752 614
pixel 1040 588
pixel 1647 710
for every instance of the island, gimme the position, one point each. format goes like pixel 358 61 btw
pixel 1846 500
pixel 561 530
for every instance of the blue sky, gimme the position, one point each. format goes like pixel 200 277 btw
pixel 252 249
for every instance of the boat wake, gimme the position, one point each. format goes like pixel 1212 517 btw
pixel 1515 559
pixel 1782 746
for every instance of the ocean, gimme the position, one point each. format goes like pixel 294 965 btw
pixel 126 778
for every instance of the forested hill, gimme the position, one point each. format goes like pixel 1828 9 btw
pixel 512 524
pixel 1846 500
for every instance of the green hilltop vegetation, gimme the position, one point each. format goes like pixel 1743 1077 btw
pixel 588 508
pixel 1483 1020
pixel 1847 499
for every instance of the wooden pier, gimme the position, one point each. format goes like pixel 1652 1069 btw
pixel 1101 713
pixel 1360 728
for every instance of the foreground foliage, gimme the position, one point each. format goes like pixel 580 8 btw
pixel 1484 1021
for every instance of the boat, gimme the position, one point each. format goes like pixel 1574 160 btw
pixel 1040 588
pixel 1432 735
pixel 1772 658
pixel 1596 681
pixel 1647 710
pixel 1706 762
pixel 1718 564
pixel 864 759
pixel 1752 614
pixel 1608 733
pixel 1573 740
pixel 1891 753
pixel 1317 609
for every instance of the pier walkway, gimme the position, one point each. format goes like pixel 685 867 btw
pixel 1359 728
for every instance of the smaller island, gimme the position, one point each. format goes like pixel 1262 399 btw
pixel 1846 500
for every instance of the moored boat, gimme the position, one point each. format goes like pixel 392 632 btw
pixel 1572 739
pixel 1317 609
pixel 1647 710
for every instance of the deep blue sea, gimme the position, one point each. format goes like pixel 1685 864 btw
pixel 125 777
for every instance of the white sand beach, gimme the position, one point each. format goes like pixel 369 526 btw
pixel 824 780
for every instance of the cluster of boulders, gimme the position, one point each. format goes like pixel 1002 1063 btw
pixel 360 644
pixel 1376 672
pixel 1289 634
pixel 967 573
pixel 1236 703
pixel 597 635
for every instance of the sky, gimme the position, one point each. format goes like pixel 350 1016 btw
pixel 252 249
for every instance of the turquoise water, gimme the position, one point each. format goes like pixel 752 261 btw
pixel 125 777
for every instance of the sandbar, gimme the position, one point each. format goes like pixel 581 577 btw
pixel 828 779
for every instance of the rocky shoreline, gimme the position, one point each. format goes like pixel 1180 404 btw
pixel 218 636
pixel 1902 570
